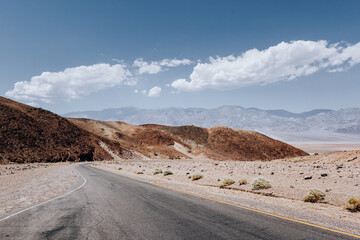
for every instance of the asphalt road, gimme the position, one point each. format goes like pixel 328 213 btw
pixel 109 206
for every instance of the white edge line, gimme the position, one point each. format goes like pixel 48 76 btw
pixel 47 201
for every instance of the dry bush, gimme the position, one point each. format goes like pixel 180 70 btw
pixel 119 168
pixel 314 195
pixel 168 173
pixel 226 182
pixel 260 183
pixel 158 171
pixel 196 177
pixel 352 204
pixel 139 173
pixel 243 181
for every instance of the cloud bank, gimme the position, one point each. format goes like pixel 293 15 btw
pixel 155 67
pixel 71 83
pixel 153 92
pixel 285 61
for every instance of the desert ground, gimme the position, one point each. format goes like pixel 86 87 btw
pixel 326 147
pixel 337 175
pixel 23 185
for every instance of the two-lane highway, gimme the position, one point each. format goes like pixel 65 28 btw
pixel 109 206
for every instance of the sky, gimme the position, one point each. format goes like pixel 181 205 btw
pixel 72 55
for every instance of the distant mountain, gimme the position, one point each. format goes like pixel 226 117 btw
pixel 320 125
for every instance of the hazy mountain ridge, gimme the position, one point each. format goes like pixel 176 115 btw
pixel 280 123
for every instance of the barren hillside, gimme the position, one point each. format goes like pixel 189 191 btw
pixel 31 134
pixel 220 143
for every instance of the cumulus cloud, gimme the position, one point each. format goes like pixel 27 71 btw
pixel 71 83
pixel 154 92
pixel 154 67
pixel 285 61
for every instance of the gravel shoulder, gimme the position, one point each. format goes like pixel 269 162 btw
pixel 286 176
pixel 23 185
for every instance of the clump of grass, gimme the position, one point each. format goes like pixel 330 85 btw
pixel 243 181
pixel 226 182
pixel 168 173
pixel 157 171
pixel 119 168
pixel 314 196
pixel 260 183
pixel 196 177
pixel 139 173
pixel 352 204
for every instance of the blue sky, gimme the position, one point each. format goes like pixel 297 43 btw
pixel 89 55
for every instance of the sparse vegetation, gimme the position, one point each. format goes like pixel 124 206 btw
pixel 139 173
pixel 168 173
pixel 314 195
pixel 352 204
pixel 157 171
pixel 243 181
pixel 196 177
pixel 119 168
pixel 226 182
pixel 260 183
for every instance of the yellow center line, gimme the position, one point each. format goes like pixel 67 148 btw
pixel 232 204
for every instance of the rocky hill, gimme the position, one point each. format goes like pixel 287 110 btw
pixel 31 134
pixel 220 143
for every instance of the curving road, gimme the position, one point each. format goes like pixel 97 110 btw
pixel 114 207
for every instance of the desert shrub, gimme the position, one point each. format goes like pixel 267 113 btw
pixel 352 204
pixel 119 168
pixel 243 181
pixel 196 177
pixel 168 173
pixel 139 173
pixel 226 182
pixel 260 183
pixel 158 171
pixel 314 195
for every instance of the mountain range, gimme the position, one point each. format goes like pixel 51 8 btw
pixel 319 125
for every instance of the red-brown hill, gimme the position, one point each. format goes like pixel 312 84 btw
pixel 163 142
pixel 31 134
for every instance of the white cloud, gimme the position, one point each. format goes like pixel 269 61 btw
pixel 154 92
pixel 136 91
pixel 285 61
pixel 71 83
pixel 154 67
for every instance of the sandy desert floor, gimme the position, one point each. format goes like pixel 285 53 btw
pixel 337 175
pixel 23 185
pixel 326 147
